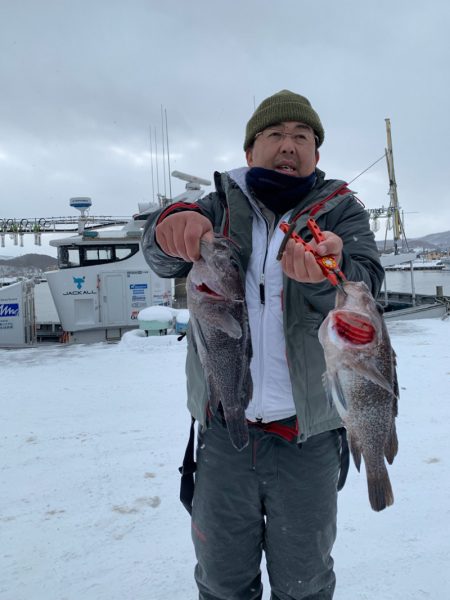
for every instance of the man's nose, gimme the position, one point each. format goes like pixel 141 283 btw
pixel 287 144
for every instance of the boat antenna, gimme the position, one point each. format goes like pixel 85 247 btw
pixel 168 155
pixel 151 164
pixel 163 152
pixel 156 160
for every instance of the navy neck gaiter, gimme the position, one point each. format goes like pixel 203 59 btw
pixel 277 191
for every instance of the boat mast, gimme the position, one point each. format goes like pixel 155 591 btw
pixel 168 155
pixel 394 210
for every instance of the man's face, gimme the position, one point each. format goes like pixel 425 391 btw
pixel 293 154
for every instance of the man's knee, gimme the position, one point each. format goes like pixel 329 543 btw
pixel 212 589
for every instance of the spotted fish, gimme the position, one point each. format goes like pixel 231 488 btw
pixel 361 379
pixel 221 333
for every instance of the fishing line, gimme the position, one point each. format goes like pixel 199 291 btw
pixel 369 167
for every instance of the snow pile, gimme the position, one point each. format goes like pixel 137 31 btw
pixel 136 339
pixel 156 313
pixel 182 316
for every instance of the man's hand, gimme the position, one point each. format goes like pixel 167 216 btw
pixel 180 234
pixel 301 266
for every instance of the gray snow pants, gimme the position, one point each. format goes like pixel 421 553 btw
pixel 274 496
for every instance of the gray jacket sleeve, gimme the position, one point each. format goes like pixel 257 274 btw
pixel 360 258
pixel 161 263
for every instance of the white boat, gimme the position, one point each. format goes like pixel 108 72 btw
pixel 103 280
pixel 102 283
pixel 417 265
pixel 402 306
pixel 409 305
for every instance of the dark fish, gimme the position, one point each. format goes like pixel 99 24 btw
pixel 361 379
pixel 221 333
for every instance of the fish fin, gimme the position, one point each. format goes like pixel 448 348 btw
pixel 219 318
pixel 339 395
pixel 356 453
pixel 327 387
pixel 355 449
pixel 370 371
pixel 335 393
pixel 395 385
pixel 213 397
pixel 200 346
pixel 380 489
pixel 237 428
pixel 391 446
pixel 229 325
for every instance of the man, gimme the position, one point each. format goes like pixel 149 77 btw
pixel 278 495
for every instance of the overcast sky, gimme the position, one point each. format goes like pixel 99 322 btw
pixel 83 81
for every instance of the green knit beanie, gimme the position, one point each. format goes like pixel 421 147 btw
pixel 283 106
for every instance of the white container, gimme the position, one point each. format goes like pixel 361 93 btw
pixel 17 315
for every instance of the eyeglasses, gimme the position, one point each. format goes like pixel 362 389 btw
pixel 276 136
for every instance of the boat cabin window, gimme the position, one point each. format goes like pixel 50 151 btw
pixel 125 251
pixel 84 256
pixel 96 255
pixel 68 257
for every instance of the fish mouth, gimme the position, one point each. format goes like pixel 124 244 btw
pixel 353 328
pixel 204 289
pixel 211 294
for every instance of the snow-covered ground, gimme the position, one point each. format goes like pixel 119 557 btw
pixel 90 441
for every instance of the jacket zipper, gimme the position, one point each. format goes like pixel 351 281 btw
pixel 262 289
pixel 262 296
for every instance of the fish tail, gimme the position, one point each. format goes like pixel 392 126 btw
pixel 391 446
pixel 238 431
pixel 380 489
pixel 355 450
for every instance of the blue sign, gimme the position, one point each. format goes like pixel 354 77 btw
pixel 136 286
pixel 9 310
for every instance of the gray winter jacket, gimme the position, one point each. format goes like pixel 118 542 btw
pixel 335 209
